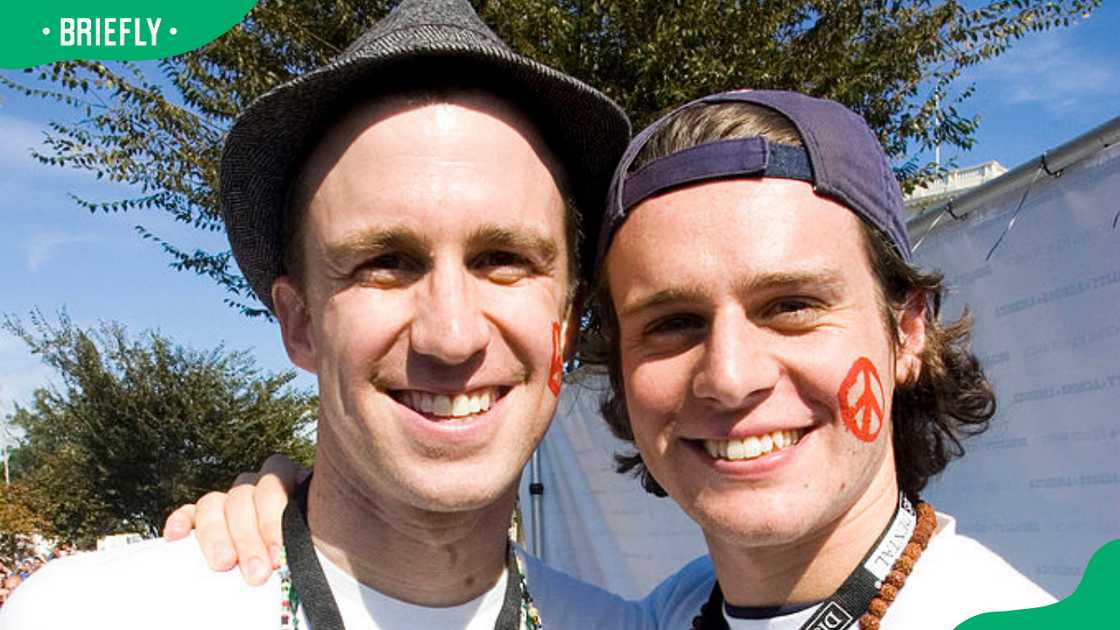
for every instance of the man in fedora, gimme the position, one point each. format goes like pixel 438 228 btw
pixel 410 214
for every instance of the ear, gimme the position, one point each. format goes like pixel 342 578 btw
pixel 569 323
pixel 911 338
pixel 295 323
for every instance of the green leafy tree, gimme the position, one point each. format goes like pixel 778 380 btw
pixel 19 521
pixel 159 126
pixel 133 428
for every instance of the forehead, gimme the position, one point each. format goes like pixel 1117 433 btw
pixel 730 232
pixel 463 158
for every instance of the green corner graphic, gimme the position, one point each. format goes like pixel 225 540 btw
pixel 34 33
pixel 1088 607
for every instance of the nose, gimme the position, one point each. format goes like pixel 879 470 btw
pixel 450 325
pixel 736 365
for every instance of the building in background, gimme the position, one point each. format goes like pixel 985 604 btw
pixel 955 182
pixel 116 541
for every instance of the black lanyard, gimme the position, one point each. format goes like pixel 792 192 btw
pixel 844 608
pixel 309 581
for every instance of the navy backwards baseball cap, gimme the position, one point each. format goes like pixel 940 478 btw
pixel 841 157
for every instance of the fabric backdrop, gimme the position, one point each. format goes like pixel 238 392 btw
pixel 1042 486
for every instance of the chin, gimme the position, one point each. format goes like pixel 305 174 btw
pixel 462 491
pixel 751 517
pixel 763 531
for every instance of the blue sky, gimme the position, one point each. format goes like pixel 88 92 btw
pixel 1048 89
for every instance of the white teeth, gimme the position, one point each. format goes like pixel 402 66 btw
pixel 457 406
pixel 460 406
pixel 752 446
pixel 441 405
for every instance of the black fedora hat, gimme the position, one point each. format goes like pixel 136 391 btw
pixel 445 39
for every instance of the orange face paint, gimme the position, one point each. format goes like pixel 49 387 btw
pixel 861 400
pixel 556 367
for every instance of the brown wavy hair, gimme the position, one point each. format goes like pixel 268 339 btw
pixel 951 398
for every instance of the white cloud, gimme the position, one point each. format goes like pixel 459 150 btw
pixel 1051 69
pixel 19 136
pixel 41 247
pixel 21 373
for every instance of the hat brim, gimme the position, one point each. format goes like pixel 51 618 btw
pixel 268 143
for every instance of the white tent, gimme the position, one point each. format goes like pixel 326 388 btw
pixel 1035 254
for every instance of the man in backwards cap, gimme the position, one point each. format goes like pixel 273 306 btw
pixel 778 362
pixel 779 365
pixel 409 213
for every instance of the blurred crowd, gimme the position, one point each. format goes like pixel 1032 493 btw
pixel 15 571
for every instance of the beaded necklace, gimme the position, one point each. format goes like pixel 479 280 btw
pixel 289 599
pixel 888 584
pixel 896 579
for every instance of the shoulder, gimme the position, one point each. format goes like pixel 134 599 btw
pixel 152 583
pixel 565 602
pixel 957 578
pixel 677 599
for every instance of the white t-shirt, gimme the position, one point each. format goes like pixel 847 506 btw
pixel 164 585
pixel 363 608
pixel 955 579
pixel 169 586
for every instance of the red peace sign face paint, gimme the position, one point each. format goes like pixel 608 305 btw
pixel 556 365
pixel 861 400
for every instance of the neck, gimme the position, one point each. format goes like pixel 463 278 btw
pixel 422 557
pixel 809 569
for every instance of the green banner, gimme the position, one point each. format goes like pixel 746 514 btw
pixel 33 33
pixel 1090 606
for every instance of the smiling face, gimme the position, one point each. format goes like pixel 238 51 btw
pixel 748 314
pixel 435 268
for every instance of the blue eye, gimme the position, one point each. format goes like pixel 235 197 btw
pixel 388 270
pixel 386 261
pixel 500 259
pixel 792 306
pixel 794 312
pixel 504 267
pixel 675 324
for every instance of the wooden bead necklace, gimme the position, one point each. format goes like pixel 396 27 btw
pixel 919 540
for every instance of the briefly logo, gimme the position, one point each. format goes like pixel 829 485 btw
pixel 112 31
pixel 33 33
pixel 831 616
pixel 861 400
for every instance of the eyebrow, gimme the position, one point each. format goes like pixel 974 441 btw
pixel 827 280
pixel 359 244
pixel 672 295
pixel 543 248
